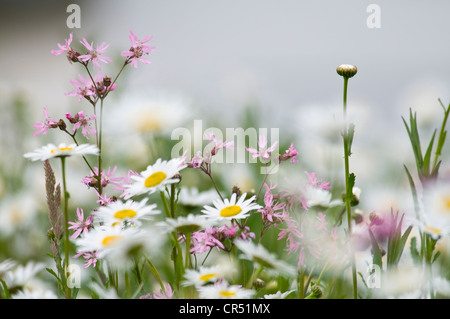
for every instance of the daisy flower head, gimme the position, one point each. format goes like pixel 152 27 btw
pixel 189 224
pixel 436 218
pixel 50 151
pixel 223 290
pixel 204 276
pixel 260 255
pixel 125 213
pixel 138 49
pixel 231 208
pixel 120 245
pixel 155 178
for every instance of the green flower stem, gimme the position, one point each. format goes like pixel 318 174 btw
pixel 348 189
pixel 66 225
pixel 255 274
pixel 166 205
pixel 188 254
pixel 156 273
pixel 99 177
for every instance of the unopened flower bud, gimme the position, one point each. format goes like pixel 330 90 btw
pixel 346 70
pixel 177 176
pixel 236 190
pixel 259 283
pixel 62 125
pixel 107 81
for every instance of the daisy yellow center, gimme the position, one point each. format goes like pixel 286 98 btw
pixel 433 230
pixel 155 179
pixel 62 149
pixel 124 213
pixel 230 211
pixel 108 240
pixel 446 203
pixel 207 277
pixel 227 294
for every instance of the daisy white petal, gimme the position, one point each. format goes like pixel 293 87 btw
pixel 155 178
pixel 230 208
pixel 129 212
pixel 260 255
pixel 223 290
pixel 50 151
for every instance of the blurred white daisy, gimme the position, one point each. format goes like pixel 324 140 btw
pixel 35 294
pixel 7 265
pixel 261 256
pixel 50 150
pixel 318 197
pixel 185 224
pixel 155 178
pixel 121 245
pixel 436 217
pixel 223 290
pixel 278 295
pixel 231 208
pixel 129 212
pixel 21 275
pixel 204 275
pixel 193 197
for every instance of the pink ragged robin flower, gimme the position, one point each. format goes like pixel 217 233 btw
pixel 81 225
pixel 137 50
pixel 94 55
pixel 72 55
pixel 291 153
pixel 80 120
pixel 43 127
pixel 84 88
pixel 263 151
pixel 218 144
pixel 90 258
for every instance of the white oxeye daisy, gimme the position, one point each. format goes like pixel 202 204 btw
pixel 193 197
pixel 231 209
pixel 188 224
pixel 50 150
pixel 155 177
pixel 125 213
pixel 436 217
pixel 259 255
pixel 222 290
pixel 120 245
pixel 203 276
pixel 278 295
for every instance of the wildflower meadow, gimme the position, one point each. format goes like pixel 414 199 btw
pixel 132 201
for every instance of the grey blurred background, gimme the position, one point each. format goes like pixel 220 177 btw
pixel 278 56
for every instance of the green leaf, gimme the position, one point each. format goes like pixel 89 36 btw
pixel 351 134
pixel 376 252
pixel 413 191
pixel 426 160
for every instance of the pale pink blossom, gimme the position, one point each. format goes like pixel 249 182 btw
pixel 263 152
pixel 218 144
pixel 94 55
pixel 90 258
pixel 84 88
pixel 81 226
pixel 71 54
pixel 43 127
pixel 291 153
pixel 137 50
pixel 80 120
